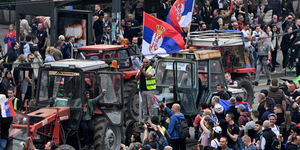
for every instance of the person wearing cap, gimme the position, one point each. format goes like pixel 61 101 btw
pixel 217 134
pixel 232 131
pixel 219 109
pixel 223 94
pixel 272 118
pixel 247 142
pixel 242 122
pixel 269 110
pixel 259 132
pixel 250 126
pixel 233 110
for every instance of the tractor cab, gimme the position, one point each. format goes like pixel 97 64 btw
pixel 234 56
pixel 293 64
pixel 62 88
pixel 189 78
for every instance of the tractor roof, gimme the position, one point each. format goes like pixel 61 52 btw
pixel 102 47
pixel 197 54
pixel 216 38
pixel 85 65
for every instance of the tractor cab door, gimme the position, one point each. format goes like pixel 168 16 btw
pixel 186 86
pixel 112 103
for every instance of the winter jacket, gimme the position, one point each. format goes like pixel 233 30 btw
pixel 5 125
pixel 291 146
pixel 173 125
pixel 276 93
pixel 266 114
pixel 11 56
pixel 276 5
pixel 65 49
pixel 288 8
pixel 216 25
pixel 285 134
pixel 242 121
pixel 296 117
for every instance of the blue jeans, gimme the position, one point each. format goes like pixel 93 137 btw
pixel 2 144
pixel 240 143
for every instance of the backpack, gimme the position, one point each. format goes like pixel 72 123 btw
pixel 275 145
pixel 157 147
pixel 18 73
pixel 183 129
pixel 219 147
pixel 35 23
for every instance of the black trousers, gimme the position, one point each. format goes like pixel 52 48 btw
pixel 274 57
pixel 285 58
pixel 178 144
pixel 88 131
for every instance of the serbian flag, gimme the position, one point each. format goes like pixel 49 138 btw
pixel 7 109
pixel 180 14
pixel 226 105
pixel 155 102
pixel 160 38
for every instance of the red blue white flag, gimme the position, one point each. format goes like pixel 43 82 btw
pixel 160 38
pixel 7 109
pixel 180 14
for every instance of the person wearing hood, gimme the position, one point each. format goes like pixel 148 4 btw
pixel 277 94
pixel 242 122
pixel 269 110
pixel 293 145
pixel 250 126
pixel 175 115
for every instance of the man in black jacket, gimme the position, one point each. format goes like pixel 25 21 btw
pixel 150 139
pixel 22 44
pixel 233 110
pixel 223 94
pixel 5 125
pixel 266 138
pixel 207 13
pixel 279 114
pixel 12 55
pixel 294 144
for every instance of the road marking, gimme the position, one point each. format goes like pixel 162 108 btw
pixel 266 82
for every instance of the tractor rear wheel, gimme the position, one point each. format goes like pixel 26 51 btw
pixel 247 87
pixel 107 136
pixel 131 100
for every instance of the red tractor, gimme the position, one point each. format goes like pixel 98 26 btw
pixel 60 100
pixel 234 56
pixel 123 55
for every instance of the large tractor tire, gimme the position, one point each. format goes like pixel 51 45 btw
pixel 66 147
pixel 107 136
pixel 247 87
pixel 131 100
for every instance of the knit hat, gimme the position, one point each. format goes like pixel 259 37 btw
pixel 218 129
pixel 219 108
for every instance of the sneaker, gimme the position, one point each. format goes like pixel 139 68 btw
pixel 86 147
pixel 92 147
pixel 269 82
pixel 255 83
pixel 274 71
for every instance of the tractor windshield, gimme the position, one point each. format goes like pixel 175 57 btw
pixel 65 87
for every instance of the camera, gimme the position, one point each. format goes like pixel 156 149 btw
pixel 148 126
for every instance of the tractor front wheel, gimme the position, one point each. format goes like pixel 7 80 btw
pixel 247 87
pixel 131 100
pixel 107 136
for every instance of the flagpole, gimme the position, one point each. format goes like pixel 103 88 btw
pixel 140 109
pixel 187 36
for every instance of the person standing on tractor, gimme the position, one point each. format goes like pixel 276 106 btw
pixel 16 102
pixel 86 124
pixel 230 83
pixel 263 60
pixel 146 74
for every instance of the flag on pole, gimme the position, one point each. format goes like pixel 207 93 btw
pixel 180 14
pixel 7 109
pixel 160 38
